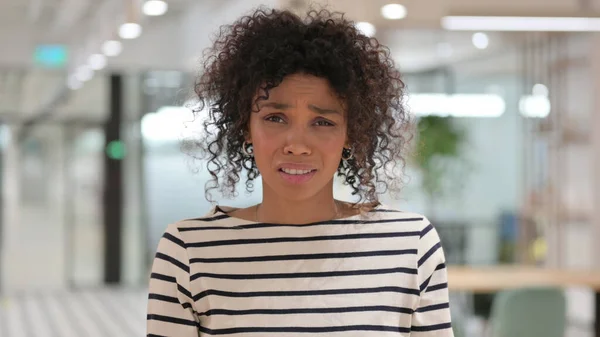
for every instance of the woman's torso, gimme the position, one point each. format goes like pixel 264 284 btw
pixel 352 277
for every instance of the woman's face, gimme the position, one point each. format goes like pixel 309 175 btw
pixel 298 136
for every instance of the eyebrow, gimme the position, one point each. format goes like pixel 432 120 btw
pixel 284 106
pixel 275 105
pixel 323 111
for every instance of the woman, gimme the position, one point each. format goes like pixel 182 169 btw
pixel 298 101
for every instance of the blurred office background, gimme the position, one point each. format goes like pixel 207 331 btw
pixel 93 98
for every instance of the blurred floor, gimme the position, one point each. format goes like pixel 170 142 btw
pixel 93 313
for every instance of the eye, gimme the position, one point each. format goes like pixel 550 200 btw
pixel 323 122
pixel 274 119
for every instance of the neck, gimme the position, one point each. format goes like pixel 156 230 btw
pixel 275 209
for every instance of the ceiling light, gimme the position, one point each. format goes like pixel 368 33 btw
pixel 112 48
pixel 97 61
pixel 155 7
pixel 480 40
pixel 130 30
pixel 73 83
pixel 540 90
pixel 84 73
pixel 535 106
pixel 393 11
pixel 366 28
pixel 457 105
pixel 523 24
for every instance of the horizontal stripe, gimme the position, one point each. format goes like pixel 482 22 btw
pixel 430 252
pixel 184 291
pixel 431 327
pixel 162 277
pixel 424 285
pixel 225 312
pixel 326 329
pixel 163 298
pixel 426 230
pixel 213 292
pixel 153 335
pixel 437 287
pixel 301 239
pixel 305 275
pixel 305 256
pixel 209 228
pixel 169 319
pixel 169 299
pixel 173 261
pixel 171 279
pixel 312 224
pixel 173 239
pixel 434 307
pixel 209 219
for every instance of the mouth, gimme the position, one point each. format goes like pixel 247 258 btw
pixel 292 171
pixel 296 176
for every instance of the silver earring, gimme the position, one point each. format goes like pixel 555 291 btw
pixel 347 154
pixel 247 149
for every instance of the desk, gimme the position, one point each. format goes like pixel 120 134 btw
pixel 497 278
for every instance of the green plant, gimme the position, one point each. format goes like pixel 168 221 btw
pixel 440 146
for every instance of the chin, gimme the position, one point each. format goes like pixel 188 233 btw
pixel 297 196
pixel 298 192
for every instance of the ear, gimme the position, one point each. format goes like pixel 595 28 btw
pixel 247 136
pixel 347 143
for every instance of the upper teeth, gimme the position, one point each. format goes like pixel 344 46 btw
pixel 294 171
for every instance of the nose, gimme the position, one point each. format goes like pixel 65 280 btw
pixel 296 142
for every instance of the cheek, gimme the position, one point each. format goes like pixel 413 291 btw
pixel 331 147
pixel 263 142
pixel 264 145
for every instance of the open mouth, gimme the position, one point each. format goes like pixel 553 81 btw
pixel 296 171
pixel 296 176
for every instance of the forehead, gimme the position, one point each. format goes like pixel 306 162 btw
pixel 302 86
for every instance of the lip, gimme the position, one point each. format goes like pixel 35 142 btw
pixel 297 179
pixel 295 166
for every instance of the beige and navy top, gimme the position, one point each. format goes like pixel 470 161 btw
pixel 379 274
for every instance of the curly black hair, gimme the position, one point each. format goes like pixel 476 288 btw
pixel 259 50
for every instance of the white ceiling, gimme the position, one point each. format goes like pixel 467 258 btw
pixel 175 41
pixel 84 24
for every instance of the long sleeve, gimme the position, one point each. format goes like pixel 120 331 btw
pixel 432 315
pixel 170 309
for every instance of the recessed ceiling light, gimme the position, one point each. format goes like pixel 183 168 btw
pixel 393 11
pixel 97 61
pixel 73 83
pixel 521 24
pixel 540 90
pixel 155 7
pixel 112 48
pixel 480 40
pixel 84 73
pixel 130 30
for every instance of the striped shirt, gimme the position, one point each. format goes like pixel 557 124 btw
pixel 378 274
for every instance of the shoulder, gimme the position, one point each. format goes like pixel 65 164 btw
pixel 217 218
pixel 384 213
